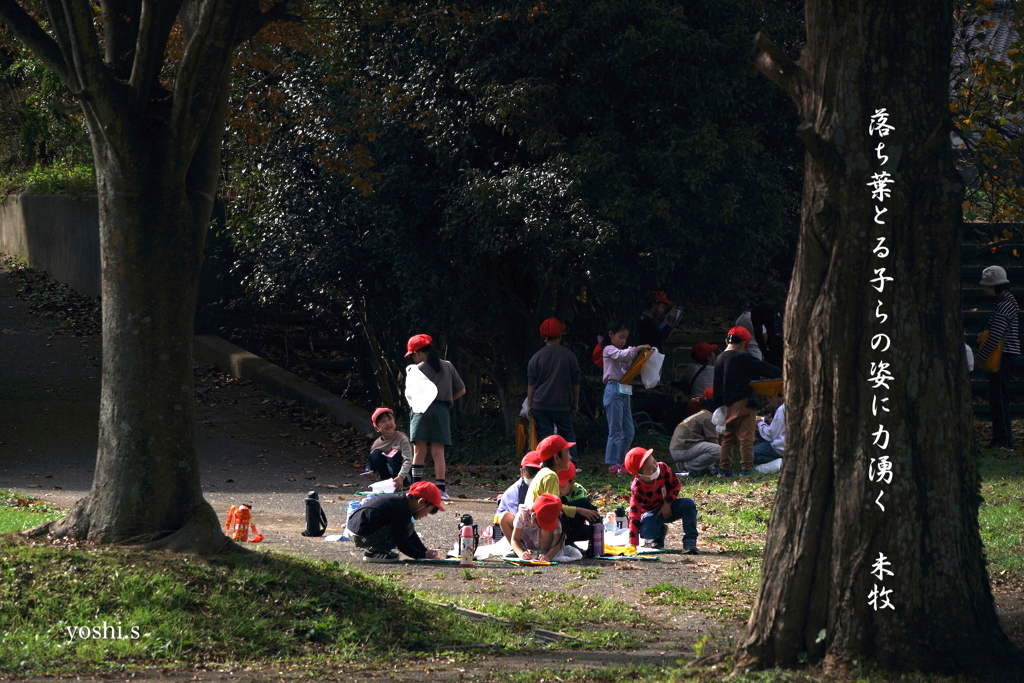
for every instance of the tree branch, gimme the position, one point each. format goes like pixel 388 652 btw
pixel 82 37
pixel 155 23
pixel 210 42
pixel 35 39
pixel 779 68
pixel 120 28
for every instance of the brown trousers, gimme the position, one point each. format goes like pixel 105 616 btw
pixel 739 432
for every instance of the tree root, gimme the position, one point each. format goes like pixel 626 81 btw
pixel 201 535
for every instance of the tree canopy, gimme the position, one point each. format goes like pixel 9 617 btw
pixel 470 171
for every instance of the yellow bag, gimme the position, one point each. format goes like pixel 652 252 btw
pixel 991 363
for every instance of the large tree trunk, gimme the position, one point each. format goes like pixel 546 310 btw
pixel 827 530
pixel 157 156
pixel 146 485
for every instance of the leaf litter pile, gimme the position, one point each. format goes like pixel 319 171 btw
pixel 75 314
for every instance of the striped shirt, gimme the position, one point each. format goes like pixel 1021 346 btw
pixel 1002 323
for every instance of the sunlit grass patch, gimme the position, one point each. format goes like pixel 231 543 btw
pixel 73 610
pixel 18 512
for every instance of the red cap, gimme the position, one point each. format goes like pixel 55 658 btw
pixel 532 459
pixel 547 508
pixel 428 492
pixel 635 459
pixel 551 445
pixel 417 342
pixel 741 332
pixel 568 473
pixel 658 298
pixel 551 328
pixel 377 413
pixel 702 351
pixel 709 393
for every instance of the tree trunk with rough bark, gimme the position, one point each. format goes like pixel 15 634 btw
pixel 824 593
pixel 156 148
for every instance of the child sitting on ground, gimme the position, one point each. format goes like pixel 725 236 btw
pixel 386 522
pixel 654 501
pixel 537 531
pixel 515 495
pixel 391 454
pixel 572 493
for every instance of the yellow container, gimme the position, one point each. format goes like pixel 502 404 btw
pixel 767 387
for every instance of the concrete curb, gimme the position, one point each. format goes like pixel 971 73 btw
pixel 277 381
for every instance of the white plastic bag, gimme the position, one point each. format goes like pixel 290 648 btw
pixel 718 419
pixel 420 392
pixel 770 467
pixel 383 486
pixel 650 373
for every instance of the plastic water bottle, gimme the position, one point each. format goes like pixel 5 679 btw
pixel 487 537
pixel 596 547
pixel 620 519
pixel 352 507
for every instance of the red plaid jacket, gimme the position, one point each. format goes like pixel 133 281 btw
pixel 646 497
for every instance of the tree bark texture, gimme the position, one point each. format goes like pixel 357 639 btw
pixel 156 148
pixel 827 530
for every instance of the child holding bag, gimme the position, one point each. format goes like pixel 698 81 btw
pixel 618 408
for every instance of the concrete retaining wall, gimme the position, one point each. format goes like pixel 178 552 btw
pixel 277 381
pixel 56 233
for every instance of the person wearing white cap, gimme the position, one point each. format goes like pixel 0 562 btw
pixel 1002 325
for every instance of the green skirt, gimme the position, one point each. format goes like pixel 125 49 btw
pixel 433 426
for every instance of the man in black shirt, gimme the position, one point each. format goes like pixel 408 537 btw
pixel 735 369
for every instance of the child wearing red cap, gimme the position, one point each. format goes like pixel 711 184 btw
pixel 574 495
pixel 537 530
pixel 431 430
pixel 553 452
pixel 386 522
pixel 515 495
pixel 654 502
pixel 391 454
pixel 735 369
pixel 553 384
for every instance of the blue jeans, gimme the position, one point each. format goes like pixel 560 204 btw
pixel 618 409
pixel 555 421
pixel 652 524
pixel 999 402
pixel 763 452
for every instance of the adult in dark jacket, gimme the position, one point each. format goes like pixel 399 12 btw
pixel 735 369
pixel 386 522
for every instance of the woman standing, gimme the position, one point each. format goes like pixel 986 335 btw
pixel 430 431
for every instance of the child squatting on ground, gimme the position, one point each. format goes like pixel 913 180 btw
pixel 654 501
pixel 537 531
pixel 515 495
pixel 386 522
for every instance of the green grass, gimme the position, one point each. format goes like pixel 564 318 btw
pixel 18 512
pixel 1001 516
pixel 596 622
pixel 178 611
pixel 730 600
